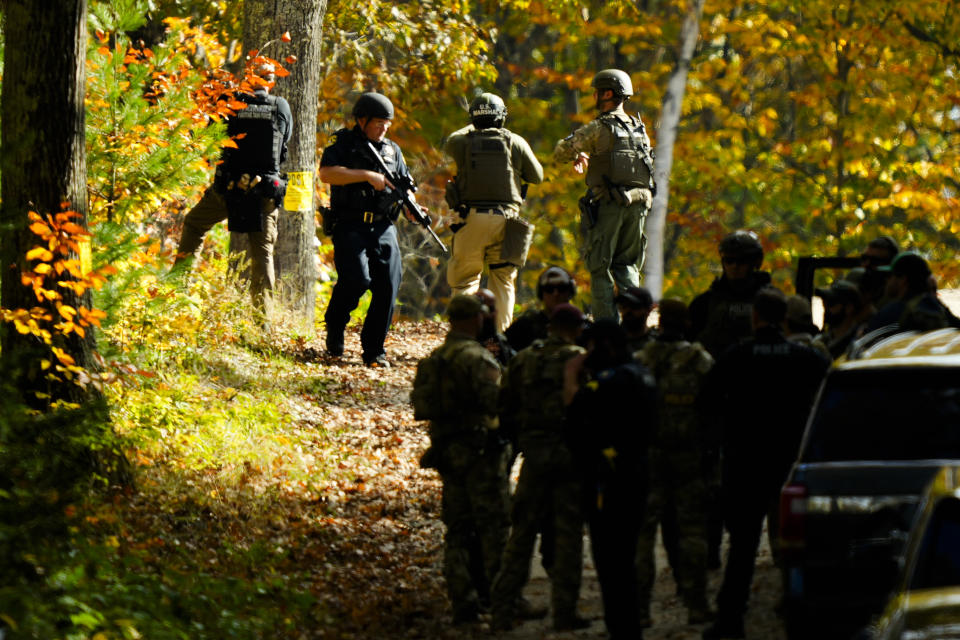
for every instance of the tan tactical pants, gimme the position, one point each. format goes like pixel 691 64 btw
pixel 477 244
pixel 212 209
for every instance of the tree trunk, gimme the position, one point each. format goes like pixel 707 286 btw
pixel 295 253
pixel 666 137
pixel 42 161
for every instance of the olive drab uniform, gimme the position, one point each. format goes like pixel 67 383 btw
pixel 457 388
pixel 678 482
pixel 619 196
pixel 248 187
pixel 365 248
pixel 532 395
pixel 492 165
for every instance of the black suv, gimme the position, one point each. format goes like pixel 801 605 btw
pixel 882 426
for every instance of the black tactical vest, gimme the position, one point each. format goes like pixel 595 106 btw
pixel 361 196
pixel 256 131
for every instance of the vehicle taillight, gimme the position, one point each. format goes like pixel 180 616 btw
pixel 793 513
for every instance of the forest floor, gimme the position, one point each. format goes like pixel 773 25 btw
pixel 333 527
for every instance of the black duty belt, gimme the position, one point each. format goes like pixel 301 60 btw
pixel 361 217
pixel 497 211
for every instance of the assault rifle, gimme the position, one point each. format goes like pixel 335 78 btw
pixel 404 189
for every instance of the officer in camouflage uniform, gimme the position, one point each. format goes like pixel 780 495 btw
pixel 249 175
pixel 678 481
pixel 554 286
pixel 493 164
pixel 532 402
pixel 456 388
pixel 719 318
pixel 615 152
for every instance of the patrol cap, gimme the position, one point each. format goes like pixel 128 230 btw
pixel 566 315
pixel 840 292
pixel 635 297
pixel 463 306
pixel 910 265
pixel 799 312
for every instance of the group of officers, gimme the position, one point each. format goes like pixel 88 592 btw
pixel 690 427
pixel 494 169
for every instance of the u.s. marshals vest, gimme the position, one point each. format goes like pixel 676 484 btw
pixel 487 176
pixel 629 162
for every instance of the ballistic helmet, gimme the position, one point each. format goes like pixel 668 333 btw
pixel 373 105
pixel 616 80
pixel 555 276
pixel 487 110
pixel 743 244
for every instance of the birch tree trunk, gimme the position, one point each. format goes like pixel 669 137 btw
pixel 666 137
pixel 295 253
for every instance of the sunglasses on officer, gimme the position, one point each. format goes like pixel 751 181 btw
pixel 736 260
pixel 555 288
pixel 873 260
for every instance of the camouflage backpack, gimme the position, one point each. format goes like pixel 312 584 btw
pixel 679 368
pixel 434 386
pixel 541 382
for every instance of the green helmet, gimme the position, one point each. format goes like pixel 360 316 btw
pixel 743 244
pixel 487 110
pixel 373 105
pixel 614 79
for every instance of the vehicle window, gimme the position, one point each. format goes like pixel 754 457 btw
pixel 938 558
pixel 890 414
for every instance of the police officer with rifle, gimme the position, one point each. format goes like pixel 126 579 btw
pixel 370 184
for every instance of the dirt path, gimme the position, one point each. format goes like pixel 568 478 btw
pixel 428 614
